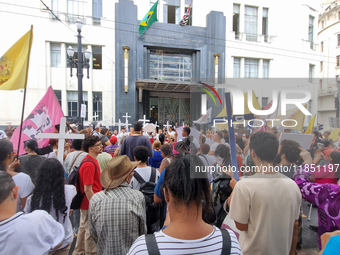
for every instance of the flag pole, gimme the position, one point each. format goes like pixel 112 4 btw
pixel 25 89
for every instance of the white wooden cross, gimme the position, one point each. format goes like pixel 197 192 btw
pixel 126 121
pixel 95 117
pixel 61 137
pixel 156 124
pixel 144 120
pixel 167 125
pixel 183 123
pixel 119 124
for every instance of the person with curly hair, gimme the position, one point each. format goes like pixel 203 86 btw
pixel 53 196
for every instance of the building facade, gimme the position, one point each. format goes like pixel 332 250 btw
pixel 156 73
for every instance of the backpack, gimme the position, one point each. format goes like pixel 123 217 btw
pixel 148 190
pixel 73 179
pixel 151 243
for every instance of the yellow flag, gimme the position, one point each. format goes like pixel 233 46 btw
pixel 14 64
pixel 334 134
pixel 310 126
pixel 291 115
pixel 256 105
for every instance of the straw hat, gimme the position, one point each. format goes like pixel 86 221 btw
pixel 116 171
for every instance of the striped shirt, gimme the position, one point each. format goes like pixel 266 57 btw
pixel 167 245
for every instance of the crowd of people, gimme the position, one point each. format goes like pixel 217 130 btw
pixel 152 193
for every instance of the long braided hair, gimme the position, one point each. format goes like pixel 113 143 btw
pixel 50 188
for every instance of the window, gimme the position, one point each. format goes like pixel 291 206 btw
pixel 311 72
pixel 311 31
pixel 337 61
pixel 250 23
pixel 237 67
pixel 97 11
pixel 97 57
pixel 75 56
pixel 55 8
pixel 170 65
pixel 321 66
pixel 97 106
pixel 55 55
pixel 58 95
pixel 251 67
pixel 323 24
pixel 72 103
pixel 236 21
pixel 264 102
pixel 265 24
pixel 265 74
pixel 338 39
pixel 172 11
pixel 321 47
pixel 75 10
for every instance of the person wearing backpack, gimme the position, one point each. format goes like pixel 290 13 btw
pixel 145 179
pixel 187 233
pixel 89 183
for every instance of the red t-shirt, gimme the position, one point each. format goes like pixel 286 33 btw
pixel 89 175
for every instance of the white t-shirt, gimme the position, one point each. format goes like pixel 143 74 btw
pixel 70 192
pixel 167 245
pixel 2 135
pixel 145 173
pixel 26 187
pixel 71 157
pixel 269 204
pixel 30 234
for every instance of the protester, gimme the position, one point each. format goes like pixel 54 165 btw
pixel 89 179
pixel 328 173
pixel 104 157
pixel 2 135
pixel 186 134
pixel 22 180
pixel 117 214
pixel 135 140
pixel 74 159
pixel 207 160
pixel 112 148
pixel 288 155
pixel 266 203
pixel 330 243
pixel 187 233
pixel 50 194
pixel 325 196
pixel 217 137
pixel 156 159
pixel 327 148
pixel 54 144
pixel 30 162
pixel 29 234
pixel 326 137
pixel 167 155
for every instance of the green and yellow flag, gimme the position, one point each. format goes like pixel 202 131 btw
pixel 310 127
pixel 148 19
pixel 14 64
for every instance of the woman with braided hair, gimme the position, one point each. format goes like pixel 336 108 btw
pixel 53 196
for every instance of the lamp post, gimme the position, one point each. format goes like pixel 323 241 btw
pixel 79 63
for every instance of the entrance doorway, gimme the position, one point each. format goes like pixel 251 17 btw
pixel 169 109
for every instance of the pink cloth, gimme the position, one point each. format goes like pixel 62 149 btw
pixel 41 120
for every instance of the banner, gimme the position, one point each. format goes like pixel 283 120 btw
pixel 309 130
pixel 42 119
pixel 14 64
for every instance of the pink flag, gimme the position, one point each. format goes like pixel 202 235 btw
pixel 41 120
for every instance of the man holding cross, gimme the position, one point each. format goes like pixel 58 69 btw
pixel 89 179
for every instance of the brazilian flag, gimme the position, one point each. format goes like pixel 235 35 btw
pixel 148 19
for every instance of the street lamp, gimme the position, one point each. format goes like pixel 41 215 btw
pixel 80 65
